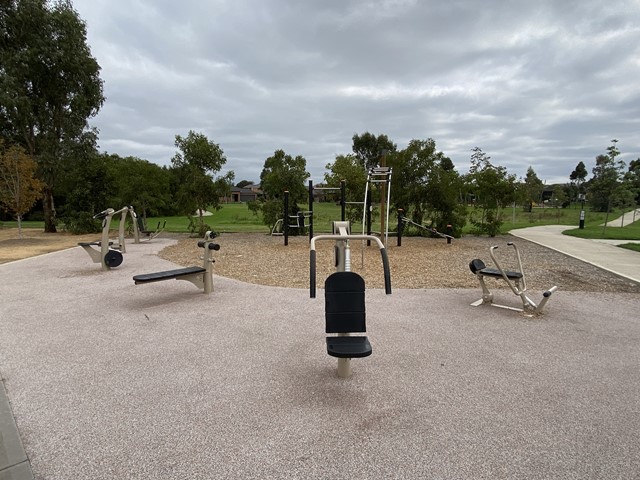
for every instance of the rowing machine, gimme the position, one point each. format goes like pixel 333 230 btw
pixel 515 279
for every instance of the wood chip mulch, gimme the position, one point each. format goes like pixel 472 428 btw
pixel 419 263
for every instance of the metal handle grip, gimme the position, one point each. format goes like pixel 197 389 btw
pixel 312 274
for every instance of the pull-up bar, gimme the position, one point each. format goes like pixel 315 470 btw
pixel 341 189
pixel 309 213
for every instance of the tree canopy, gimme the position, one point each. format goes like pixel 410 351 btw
pixel 369 149
pixel 607 174
pixel 196 162
pixel 282 172
pixel 49 84
pixel 493 189
pixel 348 168
pixel 19 189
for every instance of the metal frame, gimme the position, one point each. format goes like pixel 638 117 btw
pixel 376 175
pixel 342 235
pixel 98 256
pixel 517 285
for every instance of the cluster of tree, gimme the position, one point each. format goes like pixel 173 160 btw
pixel 428 188
pixel 95 181
pixel 425 183
pixel 49 89
pixel 612 183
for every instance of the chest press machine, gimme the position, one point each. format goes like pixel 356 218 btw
pixel 344 298
pixel 515 279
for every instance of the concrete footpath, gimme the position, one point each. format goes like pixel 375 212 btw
pixel 601 253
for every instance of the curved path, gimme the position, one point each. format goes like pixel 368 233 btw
pixel 110 380
pixel 601 253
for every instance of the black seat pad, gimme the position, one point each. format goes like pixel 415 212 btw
pixel 167 275
pixel 348 347
pixel 494 272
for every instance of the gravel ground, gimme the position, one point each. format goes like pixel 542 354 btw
pixel 420 263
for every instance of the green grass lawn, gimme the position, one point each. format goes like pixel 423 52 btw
pixel 238 218
pixel 628 232
pixel 631 246
pixel 518 218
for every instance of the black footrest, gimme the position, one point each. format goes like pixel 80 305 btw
pixel 348 347
pixel 167 275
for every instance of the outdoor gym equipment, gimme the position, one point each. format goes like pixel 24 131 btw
pixel 402 221
pixel 201 277
pixel 282 227
pixel 304 219
pixel 343 203
pixel 139 227
pixel 381 175
pixel 515 279
pixel 344 298
pixel 107 256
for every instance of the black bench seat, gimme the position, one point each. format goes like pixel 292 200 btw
pixel 90 244
pixel 494 272
pixel 348 347
pixel 167 275
pixel 477 266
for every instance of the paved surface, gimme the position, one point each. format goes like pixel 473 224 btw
pixel 603 254
pixel 110 380
pixel 625 219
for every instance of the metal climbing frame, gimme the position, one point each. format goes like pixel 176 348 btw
pixel 377 175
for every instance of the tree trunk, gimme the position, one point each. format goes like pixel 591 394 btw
pixel 20 227
pixel 49 211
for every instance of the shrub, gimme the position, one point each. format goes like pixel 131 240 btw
pixel 80 223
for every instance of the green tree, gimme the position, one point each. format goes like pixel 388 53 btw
pixel 493 188
pixel 282 172
pixel 577 180
pixel 49 85
pixel 443 190
pixel 632 177
pixel 85 187
pixel 19 189
pixel 370 149
pixel 195 165
pixel 349 169
pixel 426 185
pixel 140 183
pixel 579 175
pixel 607 175
pixel 243 183
pixel 532 187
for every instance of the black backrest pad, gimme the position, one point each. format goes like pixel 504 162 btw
pixel 344 303
pixel 476 265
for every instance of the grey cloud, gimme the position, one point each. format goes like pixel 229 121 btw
pixel 545 83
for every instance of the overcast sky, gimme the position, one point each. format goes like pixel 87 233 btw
pixel 544 83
